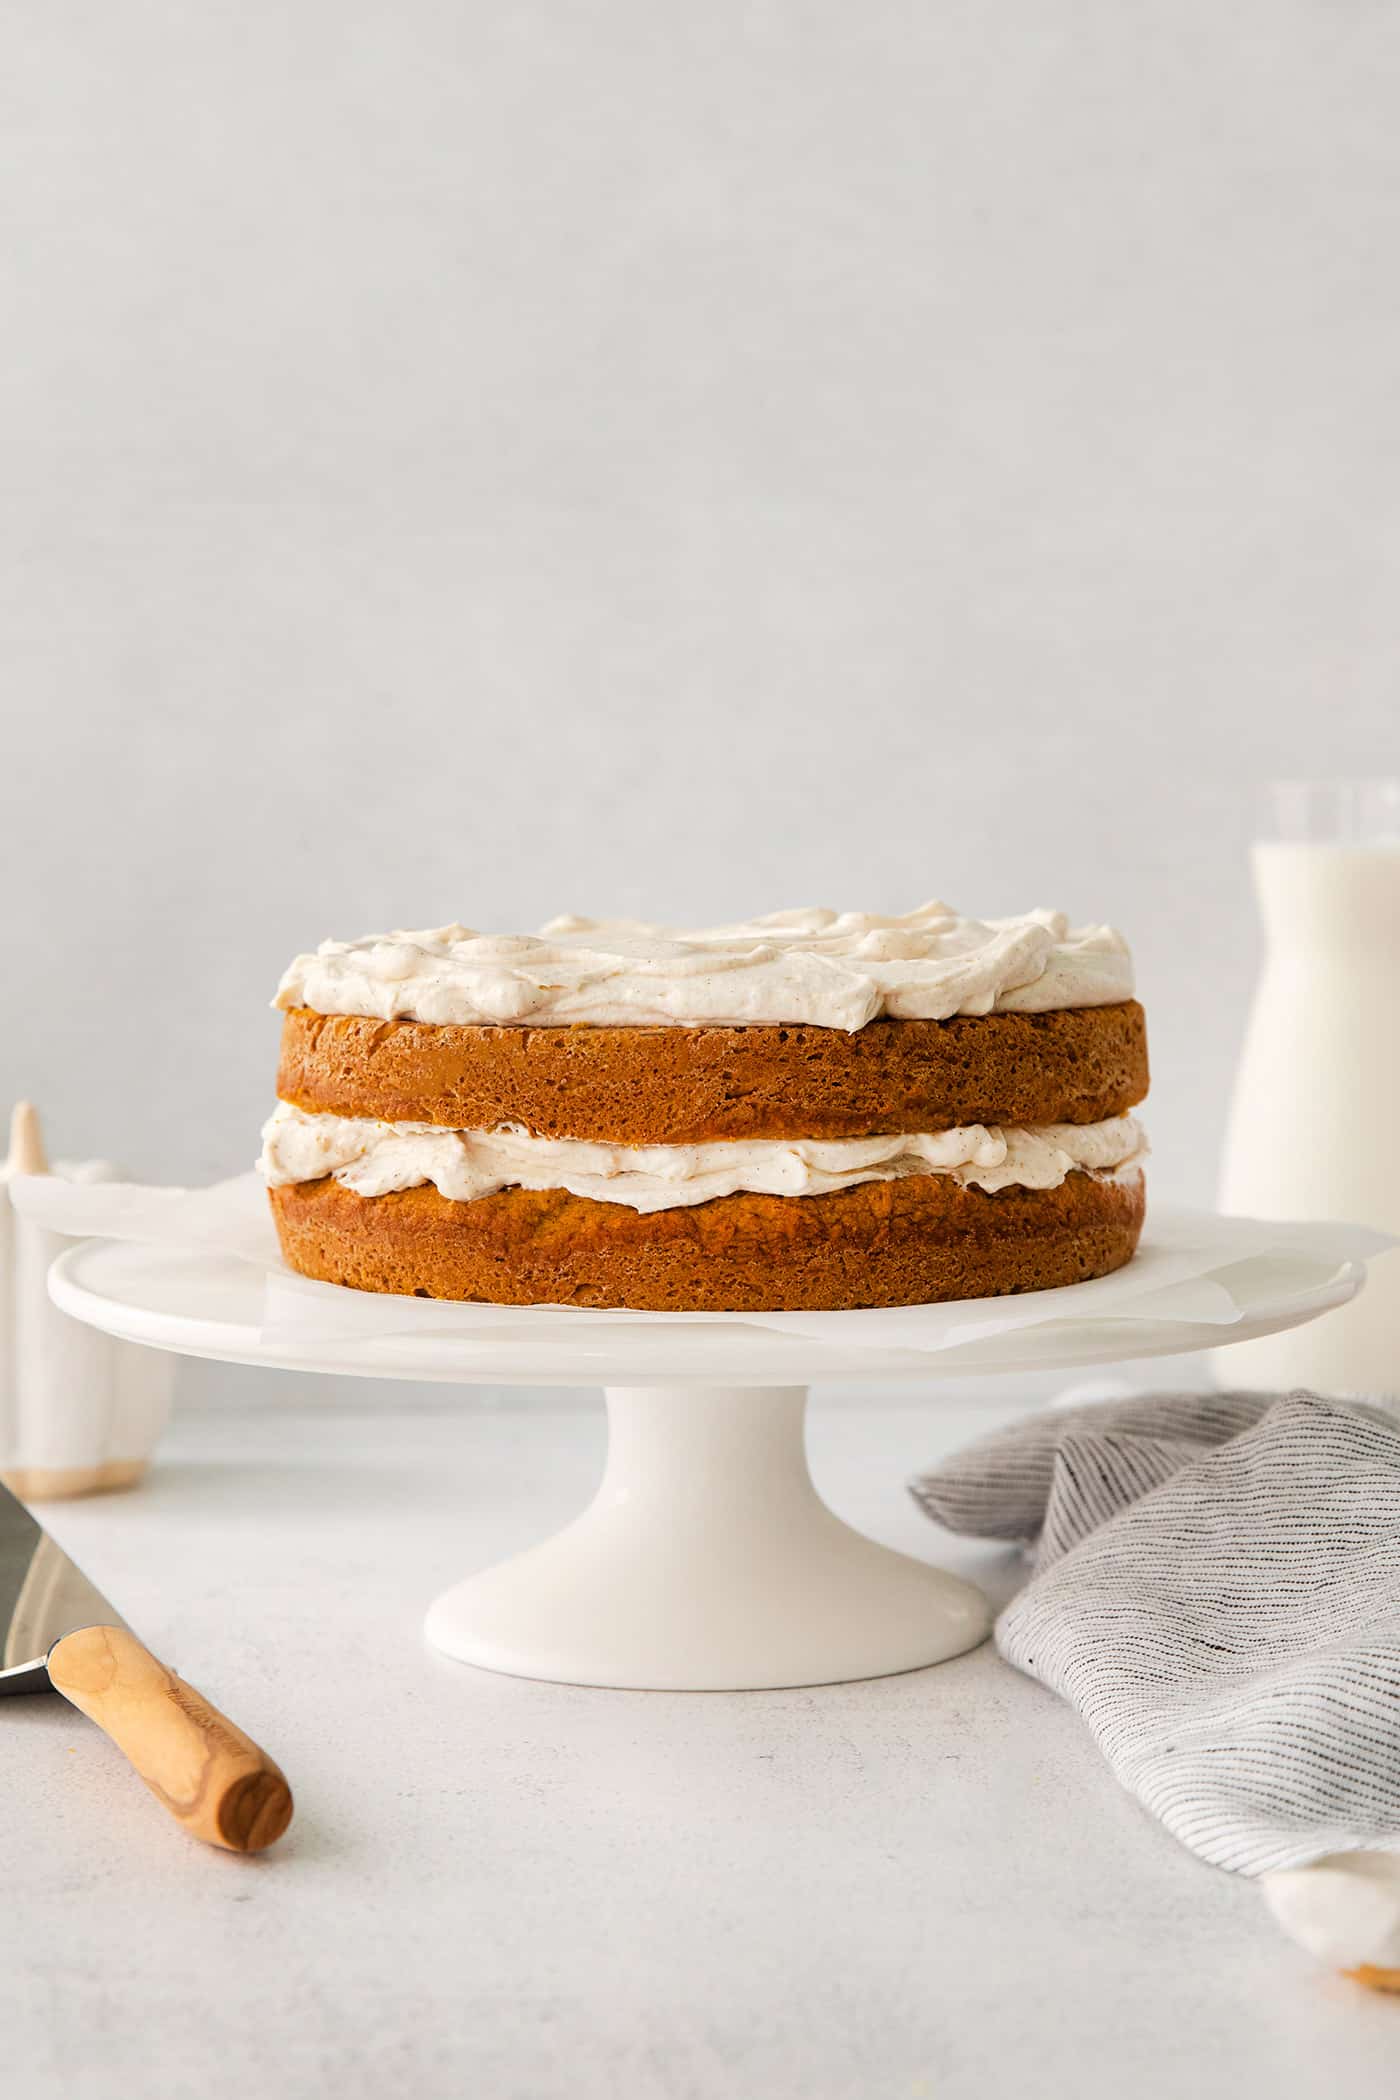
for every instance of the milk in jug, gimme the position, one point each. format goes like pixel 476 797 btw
pixel 1314 1128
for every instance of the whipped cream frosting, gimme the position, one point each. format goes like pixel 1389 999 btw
pixel 823 968
pixel 374 1158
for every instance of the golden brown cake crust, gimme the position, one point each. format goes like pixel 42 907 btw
pixel 684 1086
pixel 909 1242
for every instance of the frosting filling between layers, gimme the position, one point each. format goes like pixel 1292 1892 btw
pixel 374 1159
pixel 812 967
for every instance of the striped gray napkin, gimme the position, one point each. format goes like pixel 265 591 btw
pixel 1216 1590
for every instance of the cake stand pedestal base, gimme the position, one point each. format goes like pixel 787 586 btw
pixel 707 1562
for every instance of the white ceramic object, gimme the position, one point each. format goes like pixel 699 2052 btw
pixel 706 1560
pixel 80 1413
pixel 1314 1127
pixel 1345 1909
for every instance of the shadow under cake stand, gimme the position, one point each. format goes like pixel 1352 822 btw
pixel 706 1560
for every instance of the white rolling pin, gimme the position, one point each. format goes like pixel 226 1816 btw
pixel 79 1412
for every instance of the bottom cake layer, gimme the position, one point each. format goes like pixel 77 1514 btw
pixel 917 1241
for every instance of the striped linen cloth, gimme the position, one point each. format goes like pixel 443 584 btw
pixel 1216 1590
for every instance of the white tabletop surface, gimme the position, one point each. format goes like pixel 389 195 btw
pixel 925 1885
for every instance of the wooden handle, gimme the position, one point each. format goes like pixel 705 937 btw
pixel 212 1777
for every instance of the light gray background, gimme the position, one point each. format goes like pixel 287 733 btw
pixel 477 461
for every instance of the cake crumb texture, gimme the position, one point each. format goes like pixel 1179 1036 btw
pixel 686 1086
pixel 921 1240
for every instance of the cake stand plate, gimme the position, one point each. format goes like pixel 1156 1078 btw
pixel 706 1560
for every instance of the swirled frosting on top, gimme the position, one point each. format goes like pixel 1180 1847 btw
pixel 824 969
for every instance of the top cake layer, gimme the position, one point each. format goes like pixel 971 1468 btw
pixel 692 1086
pixel 815 968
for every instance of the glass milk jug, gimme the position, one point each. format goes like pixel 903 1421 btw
pixel 1314 1127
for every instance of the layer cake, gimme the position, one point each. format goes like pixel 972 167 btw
pixel 810 1110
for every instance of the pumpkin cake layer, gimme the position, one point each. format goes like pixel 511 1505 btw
pixel 921 1240
pixel 681 1086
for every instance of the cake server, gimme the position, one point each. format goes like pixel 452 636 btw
pixel 58 1633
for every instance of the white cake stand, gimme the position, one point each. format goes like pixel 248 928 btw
pixel 706 1560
